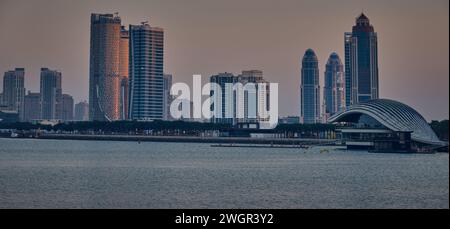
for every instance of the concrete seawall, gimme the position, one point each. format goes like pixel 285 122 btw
pixel 241 140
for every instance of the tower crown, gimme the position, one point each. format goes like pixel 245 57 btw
pixel 363 24
pixel 362 20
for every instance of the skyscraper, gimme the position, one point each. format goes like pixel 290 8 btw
pixel 51 94
pixel 81 111
pixel 309 89
pixel 361 62
pixel 67 107
pixel 167 97
pixel 123 69
pixel 334 89
pixel 253 103
pixel 104 75
pixel 223 104
pixel 146 72
pixel 32 107
pixel 234 106
pixel 14 91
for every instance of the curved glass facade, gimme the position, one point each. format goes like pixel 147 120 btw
pixel 104 77
pixel 392 115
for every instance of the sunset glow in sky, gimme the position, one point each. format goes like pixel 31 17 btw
pixel 211 36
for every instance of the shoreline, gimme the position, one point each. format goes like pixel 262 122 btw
pixel 193 139
pixel 216 142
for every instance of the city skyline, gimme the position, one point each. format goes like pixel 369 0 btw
pixel 401 75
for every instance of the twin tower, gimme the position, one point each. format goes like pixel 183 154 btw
pixel 126 70
pixel 358 83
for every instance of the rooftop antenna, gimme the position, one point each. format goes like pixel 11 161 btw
pixel 144 22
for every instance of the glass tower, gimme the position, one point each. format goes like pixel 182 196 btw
pixel 14 91
pixel 67 107
pixel 82 111
pixel 51 94
pixel 32 107
pixel 361 62
pixel 224 104
pixel 333 91
pixel 244 98
pixel 146 84
pixel 123 71
pixel 310 89
pixel 104 75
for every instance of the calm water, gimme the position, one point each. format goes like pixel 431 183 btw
pixel 89 174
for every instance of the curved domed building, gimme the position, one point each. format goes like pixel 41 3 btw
pixel 385 121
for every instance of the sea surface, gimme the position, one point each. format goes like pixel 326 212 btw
pixel 107 174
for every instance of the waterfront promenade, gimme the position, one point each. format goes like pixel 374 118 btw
pixel 147 138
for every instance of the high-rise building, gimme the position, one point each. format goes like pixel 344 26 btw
pixel 81 111
pixel 224 104
pixel 67 107
pixel 123 71
pixel 104 75
pixel 310 89
pixel 190 117
pixel 146 72
pixel 14 91
pixel 167 100
pixel 334 89
pixel 361 62
pixel 32 107
pixel 51 94
pixel 253 104
pixel 234 106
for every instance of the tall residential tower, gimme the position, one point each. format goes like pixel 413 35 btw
pixel 104 75
pixel 361 62
pixel 224 103
pixel 14 91
pixel 243 99
pixel 123 71
pixel 334 89
pixel 81 111
pixel 310 89
pixel 67 108
pixel 146 72
pixel 32 107
pixel 51 94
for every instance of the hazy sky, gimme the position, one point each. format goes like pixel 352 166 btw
pixel 210 36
